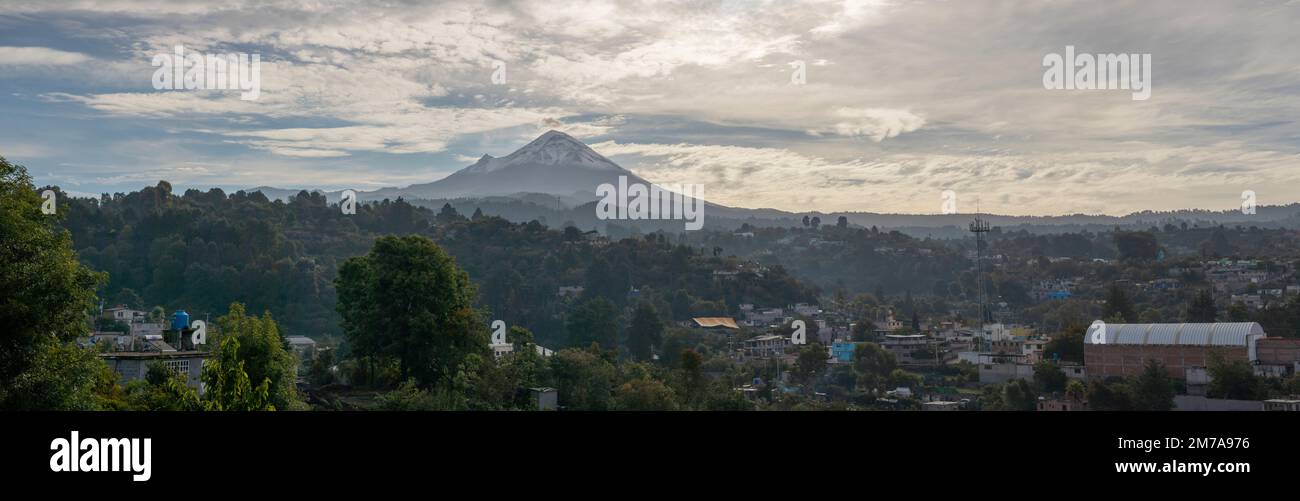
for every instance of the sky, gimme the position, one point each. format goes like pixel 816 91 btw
pixel 897 101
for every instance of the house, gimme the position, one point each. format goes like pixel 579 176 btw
pixel 941 406
pixel 134 365
pixel 807 310
pixel 148 329
pixel 888 325
pixel 1032 349
pixel 1282 404
pixel 914 349
pixel 547 399
pixel 123 314
pixel 842 352
pixel 302 346
pixel 1054 404
pixel 765 346
pixel 1003 367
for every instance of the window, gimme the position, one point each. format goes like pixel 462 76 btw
pixel 181 367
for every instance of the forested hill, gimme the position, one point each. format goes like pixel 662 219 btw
pixel 200 251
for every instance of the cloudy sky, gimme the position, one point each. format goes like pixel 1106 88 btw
pixel 902 100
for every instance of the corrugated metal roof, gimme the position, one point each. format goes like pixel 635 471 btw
pixel 1212 334
pixel 711 322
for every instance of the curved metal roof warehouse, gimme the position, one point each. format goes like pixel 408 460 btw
pixel 1207 334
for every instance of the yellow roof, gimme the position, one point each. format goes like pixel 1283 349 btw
pixel 710 322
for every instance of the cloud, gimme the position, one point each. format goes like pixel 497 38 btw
pixel 698 90
pixel 39 56
pixel 876 123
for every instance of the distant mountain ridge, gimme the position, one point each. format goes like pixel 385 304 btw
pixel 556 175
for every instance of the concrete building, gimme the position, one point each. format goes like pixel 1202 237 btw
pixel 133 365
pixel 1282 404
pixel 547 398
pixel 765 346
pixel 914 349
pixel 842 352
pixel 122 314
pixel 302 346
pixel 1001 367
pixel 1122 350
pixel 941 406
pixel 1055 404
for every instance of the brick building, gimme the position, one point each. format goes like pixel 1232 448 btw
pixel 1123 349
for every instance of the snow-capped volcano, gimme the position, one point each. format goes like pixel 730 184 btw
pixel 551 148
pixel 555 164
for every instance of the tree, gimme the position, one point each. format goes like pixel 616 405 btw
pixel 692 377
pixel 263 353
pixel 1018 395
pixel 228 387
pixel 842 222
pixel 873 364
pixel 863 330
pixel 645 332
pixel 1238 312
pixel 47 293
pixel 1049 377
pixel 584 379
pixel 1153 390
pixel 407 300
pixel 594 321
pixel 1103 396
pixel 1074 390
pixel 810 363
pixel 1118 304
pixel 1202 309
pixel 1233 379
pixel 644 395
pixel 815 222
pixel 1136 245
pixel 1067 345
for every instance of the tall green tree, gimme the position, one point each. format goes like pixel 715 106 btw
pixel 584 379
pixel 873 365
pixel 593 321
pixel 1153 389
pixel 407 300
pixel 645 332
pixel 228 387
pixel 1049 377
pixel 47 294
pixel 1119 305
pixel 1233 379
pixel 1202 309
pixel 264 354
pixel 1067 345
pixel 810 363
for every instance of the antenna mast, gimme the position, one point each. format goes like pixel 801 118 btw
pixel 979 227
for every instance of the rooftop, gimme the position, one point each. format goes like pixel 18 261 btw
pixel 155 354
pixel 1205 334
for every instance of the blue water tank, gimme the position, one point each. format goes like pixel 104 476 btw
pixel 180 320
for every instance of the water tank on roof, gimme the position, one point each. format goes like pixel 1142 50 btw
pixel 180 320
